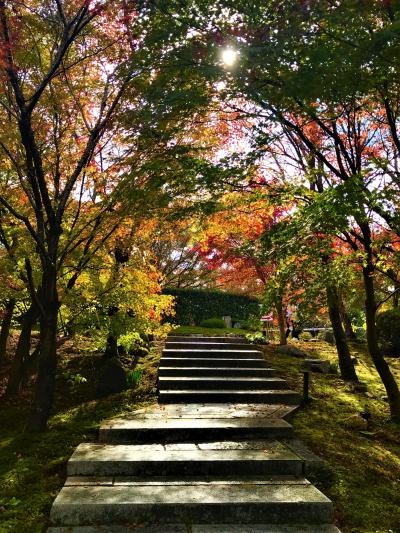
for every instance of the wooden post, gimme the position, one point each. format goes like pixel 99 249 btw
pixel 306 384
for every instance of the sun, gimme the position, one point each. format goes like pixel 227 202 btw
pixel 229 56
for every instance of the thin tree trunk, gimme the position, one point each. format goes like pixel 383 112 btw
pixel 381 365
pixel 348 326
pixel 5 328
pixel 396 299
pixel 346 365
pixel 47 361
pixel 281 321
pixel 21 352
pixel 30 366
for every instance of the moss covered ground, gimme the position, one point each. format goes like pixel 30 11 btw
pixel 362 474
pixel 33 466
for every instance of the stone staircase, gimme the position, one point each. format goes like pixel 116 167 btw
pixel 218 370
pixel 219 459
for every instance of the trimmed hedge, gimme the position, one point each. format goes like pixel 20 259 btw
pixel 388 325
pixel 213 323
pixel 192 306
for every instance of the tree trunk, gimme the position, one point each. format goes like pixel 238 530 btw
pixel 21 352
pixel 281 321
pixel 5 328
pixel 348 326
pixel 47 361
pixel 396 299
pixel 346 365
pixel 381 365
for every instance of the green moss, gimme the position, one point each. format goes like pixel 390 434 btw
pixel 33 466
pixel 362 474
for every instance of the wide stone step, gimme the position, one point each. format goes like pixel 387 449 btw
pixel 213 354
pixel 240 501
pixel 182 460
pixel 234 396
pixel 207 345
pixel 137 431
pixel 202 528
pixel 179 338
pixel 210 371
pixel 223 362
pixel 221 383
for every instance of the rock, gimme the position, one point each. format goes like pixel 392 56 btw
pixel 287 349
pixel 112 376
pixel 317 365
pixel 329 337
pixel 354 360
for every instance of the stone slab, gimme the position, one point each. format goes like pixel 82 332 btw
pixel 183 459
pixel 141 431
pixel 220 383
pixel 264 528
pixel 210 410
pixel 175 345
pixel 213 353
pixel 211 371
pixel 200 528
pixel 225 362
pixel 241 396
pixel 317 365
pixel 245 502
pixel 201 338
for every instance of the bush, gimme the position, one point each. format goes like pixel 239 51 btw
pixel 213 323
pixel 388 324
pixel 256 338
pixel 192 306
pixel 305 336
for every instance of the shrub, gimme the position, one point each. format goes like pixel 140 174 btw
pixel 213 323
pixel 388 324
pixel 305 336
pixel 194 305
pixel 256 338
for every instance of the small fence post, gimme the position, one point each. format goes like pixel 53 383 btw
pixel 306 385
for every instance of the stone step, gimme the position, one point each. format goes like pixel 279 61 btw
pixel 286 397
pixel 194 338
pixel 182 460
pixel 213 354
pixel 207 345
pixel 228 362
pixel 141 431
pixel 220 383
pixel 210 371
pixel 240 501
pixel 201 528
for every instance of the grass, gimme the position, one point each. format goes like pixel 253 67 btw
pixel 362 470
pixel 212 332
pixel 33 466
pixel 362 474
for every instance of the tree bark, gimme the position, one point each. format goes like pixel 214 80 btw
pixel 281 321
pixel 346 365
pixel 47 361
pixel 5 328
pixel 396 300
pixel 348 326
pixel 381 365
pixel 21 352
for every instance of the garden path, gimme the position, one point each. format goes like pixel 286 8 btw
pixel 216 455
